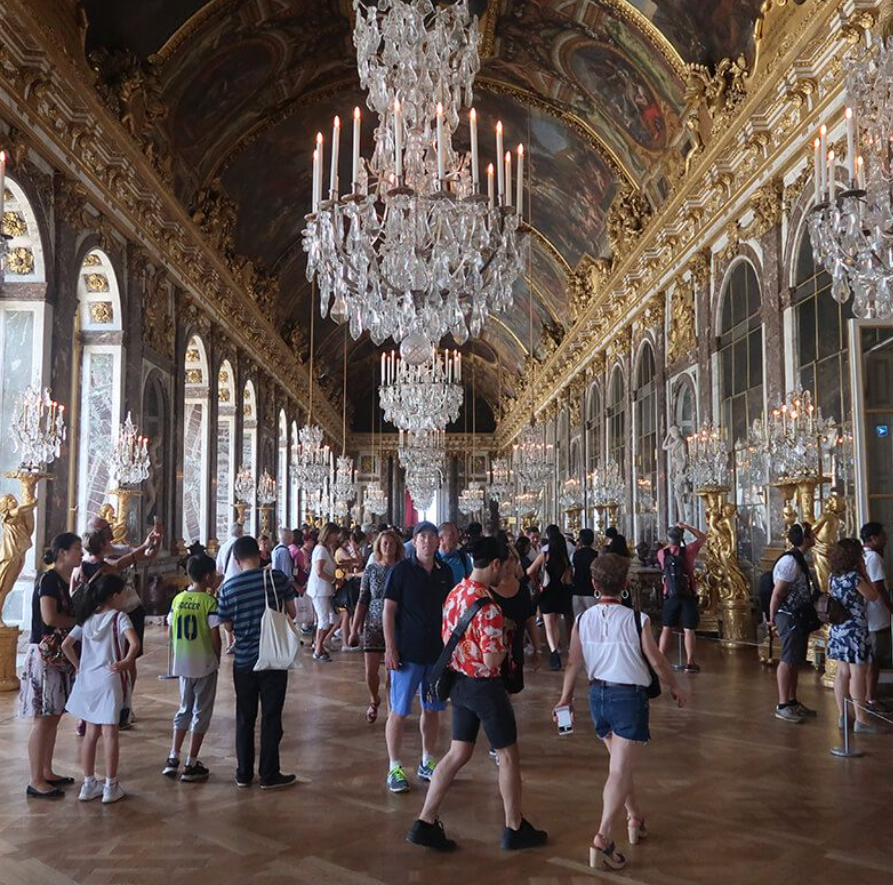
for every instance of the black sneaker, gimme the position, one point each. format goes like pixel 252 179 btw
pixel 244 782
pixel 692 667
pixel 194 773
pixel 430 836
pixel 171 767
pixel 555 660
pixel 279 782
pixel 526 836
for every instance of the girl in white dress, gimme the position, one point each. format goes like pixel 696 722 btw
pixel 109 645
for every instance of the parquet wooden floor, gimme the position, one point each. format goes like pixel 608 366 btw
pixel 732 795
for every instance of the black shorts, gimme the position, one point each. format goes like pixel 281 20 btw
pixel 681 611
pixel 794 642
pixel 484 702
pixel 138 619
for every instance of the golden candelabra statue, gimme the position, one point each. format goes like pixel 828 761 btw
pixel 130 468
pixel 244 492
pixel 710 456
pixel 266 494
pixel 38 431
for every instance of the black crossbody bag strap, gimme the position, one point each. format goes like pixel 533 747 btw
pixel 456 637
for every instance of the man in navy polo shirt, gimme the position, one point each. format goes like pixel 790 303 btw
pixel 415 592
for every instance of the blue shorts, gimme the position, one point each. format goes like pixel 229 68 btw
pixel 406 682
pixel 620 710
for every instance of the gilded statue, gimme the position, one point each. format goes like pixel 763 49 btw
pixel 683 339
pixel 628 217
pixel 216 214
pixel 732 584
pixel 18 526
pixel 826 532
pixel 720 91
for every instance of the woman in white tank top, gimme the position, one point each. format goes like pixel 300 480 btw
pixel 606 643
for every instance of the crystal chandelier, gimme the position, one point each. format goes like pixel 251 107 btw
pixel 850 226
pixel 415 250
pixel 344 489
pixel 608 485
pixel 708 453
pixel 422 456
pixel 244 485
pixel 425 396
pixel 37 429
pixel 528 502
pixel 793 438
pixel 471 500
pixel 266 489
pixel 374 499
pixel 314 459
pixel 502 479
pixel 533 457
pixel 130 459
pixel 571 495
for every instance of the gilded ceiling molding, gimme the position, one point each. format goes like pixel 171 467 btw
pixel 720 186
pixel 74 130
pixel 599 145
pixel 191 26
pixel 549 246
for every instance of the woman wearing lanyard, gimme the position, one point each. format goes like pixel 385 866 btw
pixel 606 641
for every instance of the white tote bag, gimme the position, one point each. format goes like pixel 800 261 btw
pixel 279 640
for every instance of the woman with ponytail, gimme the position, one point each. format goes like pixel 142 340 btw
pixel 109 646
pixel 47 676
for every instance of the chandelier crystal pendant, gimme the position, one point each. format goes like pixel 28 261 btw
pixel 415 250
pixel 314 459
pixel 344 489
pixel 420 397
pixel 37 430
pixel 130 458
pixel 423 456
pixel 502 479
pixel 533 457
pixel 374 499
pixel 709 453
pixel 471 500
pixel 850 224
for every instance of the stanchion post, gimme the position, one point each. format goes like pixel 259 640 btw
pixel 170 651
pixel 846 751
pixel 680 663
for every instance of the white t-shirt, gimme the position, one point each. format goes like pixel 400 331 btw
pixel 226 562
pixel 316 586
pixel 878 615
pixel 611 647
pixel 787 569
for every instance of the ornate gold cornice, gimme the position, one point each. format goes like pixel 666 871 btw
pixel 718 189
pixel 51 98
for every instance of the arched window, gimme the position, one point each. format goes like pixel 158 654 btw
pixel 645 457
pixel 616 418
pixel 282 475
pixel 562 443
pixel 741 352
pixel 22 324
pixel 196 421
pixel 822 341
pixel 156 423
pixel 249 446
pixel 226 447
pixel 100 322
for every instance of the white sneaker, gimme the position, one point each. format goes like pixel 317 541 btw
pixel 90 791
pixel 112 793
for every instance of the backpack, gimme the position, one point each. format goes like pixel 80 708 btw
pixel 676 578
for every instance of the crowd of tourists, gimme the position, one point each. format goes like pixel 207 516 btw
pixel 454 621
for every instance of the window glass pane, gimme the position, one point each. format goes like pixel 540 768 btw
pixel 755 358
pixel 806 343
pixel 739 418
pixel 726 372
pixel 739 371
pixel 805 262
pixel 753 292
pixel 17 341
pixel 827 388
pixel 828 312
pixel 807 377
pixel 754 404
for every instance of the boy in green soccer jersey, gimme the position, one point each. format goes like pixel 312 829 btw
pixel 195 641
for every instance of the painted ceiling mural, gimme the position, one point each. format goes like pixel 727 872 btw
pixel 593 88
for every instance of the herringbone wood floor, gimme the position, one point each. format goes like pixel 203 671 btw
pixel 733 796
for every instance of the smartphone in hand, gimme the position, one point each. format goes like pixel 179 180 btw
pixel 565 720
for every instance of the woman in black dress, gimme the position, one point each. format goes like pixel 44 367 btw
pixel 555 599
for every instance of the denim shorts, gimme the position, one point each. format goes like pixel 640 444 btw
pixel 620 710
pixel 407 682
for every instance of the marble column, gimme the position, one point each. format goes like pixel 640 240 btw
pixel 773 330
pixel 706 345
pixel 213 542
pixel 660 381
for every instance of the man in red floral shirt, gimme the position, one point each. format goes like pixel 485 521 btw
pixel 479 698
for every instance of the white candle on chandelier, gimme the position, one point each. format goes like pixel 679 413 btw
pixel 355 175
pixel 508 179
pixel 319 160
pixel 851 144
pixel 860 172
pixel 491 193
pixel 500 189
pixel 441 168
pixel 458 366
pixel 519 201
pixel 817 169
pixel 398 140
pixel 336 143
pixel 831 182
pixel 473 126
pixel 823 138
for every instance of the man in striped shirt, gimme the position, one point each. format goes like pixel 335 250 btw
pixel 240 606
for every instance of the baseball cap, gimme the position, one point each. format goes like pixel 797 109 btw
pixel 424 526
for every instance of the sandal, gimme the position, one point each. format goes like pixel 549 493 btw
pixel 372 711
pixel 607 858
pixel 635 827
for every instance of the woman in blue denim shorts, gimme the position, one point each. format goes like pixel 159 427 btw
pixel 606 642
